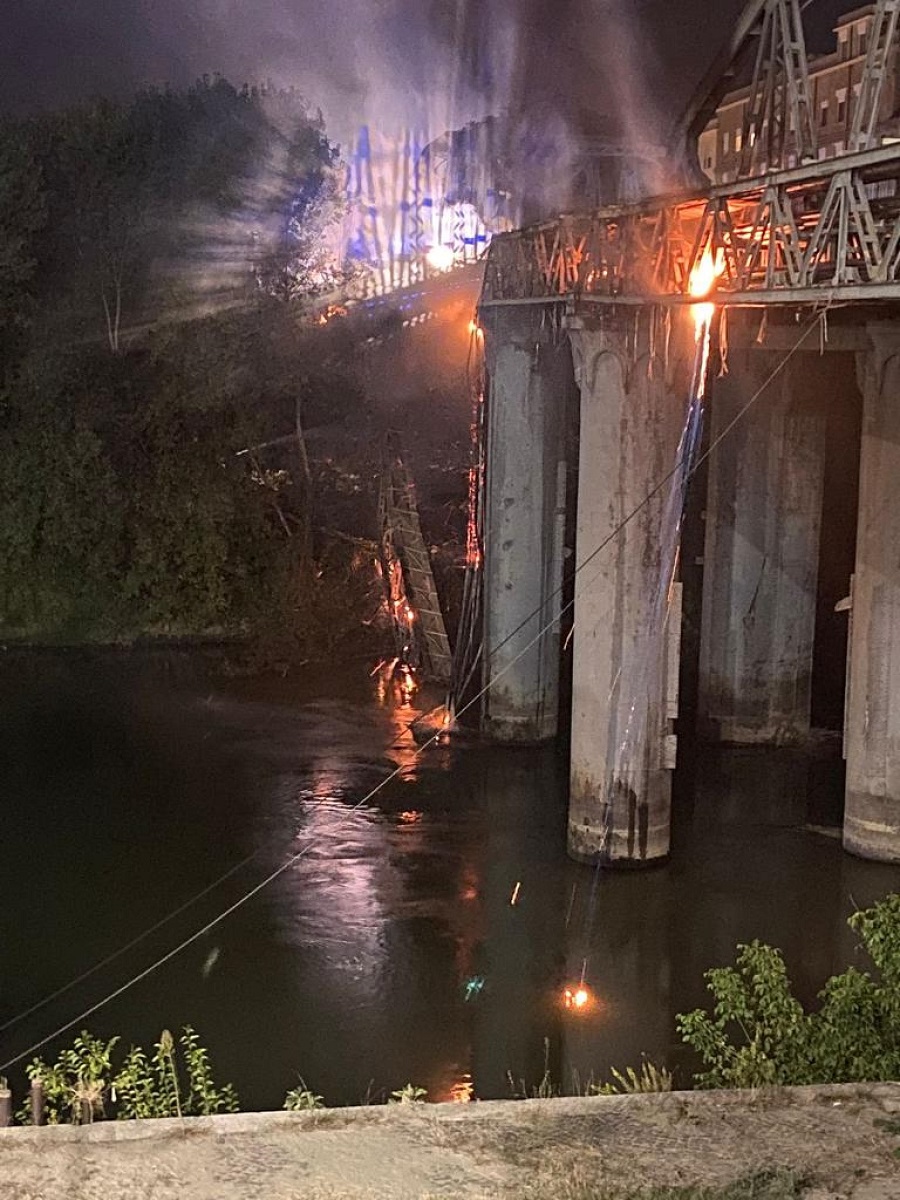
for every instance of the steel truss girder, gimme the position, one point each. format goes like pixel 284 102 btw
pixel 779 100
pixel 882 33
pixel 831 229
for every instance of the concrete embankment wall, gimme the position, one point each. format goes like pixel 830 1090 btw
pixel 839 1139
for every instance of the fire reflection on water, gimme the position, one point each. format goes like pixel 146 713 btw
pixel 395 687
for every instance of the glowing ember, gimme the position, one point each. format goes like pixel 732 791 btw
pixel 577 998
pixel 462 1092
pixel 440 258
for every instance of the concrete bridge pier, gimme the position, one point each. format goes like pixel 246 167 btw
pixel 621 754
pixel 872 805
pixel 763 518
pixel 529 378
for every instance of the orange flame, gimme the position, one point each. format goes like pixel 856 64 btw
pixel 577 998
pixel 706 271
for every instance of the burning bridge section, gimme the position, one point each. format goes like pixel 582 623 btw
pixel 763 398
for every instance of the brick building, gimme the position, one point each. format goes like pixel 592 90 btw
pixel 834 82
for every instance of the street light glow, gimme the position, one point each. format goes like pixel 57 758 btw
pixel 440 258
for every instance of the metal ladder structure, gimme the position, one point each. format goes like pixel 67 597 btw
pixel 868 103
pixel 779 94
pixel 416 610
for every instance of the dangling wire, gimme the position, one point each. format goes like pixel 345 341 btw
pixel 678 470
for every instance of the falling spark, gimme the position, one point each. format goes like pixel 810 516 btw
pixel 515 893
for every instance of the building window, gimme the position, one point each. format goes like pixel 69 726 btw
pixel 844 43
pixel 838 149
pixel 738 142
pixel 726 142
pixel 861 40
pixel 707 163
pixel 823 113
pixel 841 115
pixel 823 152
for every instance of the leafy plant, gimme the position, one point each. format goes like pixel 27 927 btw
pixel 301 1099
pixel 408 1094
pixel 759 1034
pixel 84 1084
pixel 77 1085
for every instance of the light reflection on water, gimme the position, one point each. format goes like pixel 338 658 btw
pixel 429 934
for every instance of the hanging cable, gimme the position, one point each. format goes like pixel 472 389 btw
pixel 136 941
pixel 292 859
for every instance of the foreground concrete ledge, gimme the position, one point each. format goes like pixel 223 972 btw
pixel 834 1136
pixel 886 1096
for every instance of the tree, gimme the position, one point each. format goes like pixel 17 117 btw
pixel 23 214
pixel 759 1034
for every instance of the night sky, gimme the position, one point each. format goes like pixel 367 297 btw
pixel 387 62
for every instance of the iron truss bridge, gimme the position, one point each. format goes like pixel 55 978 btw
pixel 825 232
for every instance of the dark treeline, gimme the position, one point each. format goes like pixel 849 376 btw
pixel 155 258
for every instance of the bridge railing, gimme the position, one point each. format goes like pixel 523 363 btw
pixel 824 231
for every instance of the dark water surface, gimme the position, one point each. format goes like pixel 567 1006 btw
pixel 129 785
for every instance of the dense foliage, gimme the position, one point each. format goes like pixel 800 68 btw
pixel 153 257
pixel 760 1034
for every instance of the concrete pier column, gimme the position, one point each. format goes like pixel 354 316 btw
pixel 620 777
pixel 872 808
pixel 763 519
pixel 529 379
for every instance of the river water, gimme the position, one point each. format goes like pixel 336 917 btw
pixel 426 935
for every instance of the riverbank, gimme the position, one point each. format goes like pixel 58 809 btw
pixel 814 1143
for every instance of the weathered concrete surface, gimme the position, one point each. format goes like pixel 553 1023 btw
pixel 763 518
pixel 872 808
pixel 631 418
pixel 541 1148
pixel 529 377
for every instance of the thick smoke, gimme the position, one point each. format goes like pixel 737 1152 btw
pixel 386 63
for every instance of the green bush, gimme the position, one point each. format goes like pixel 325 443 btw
pixel 302 1099
pixel 759 1034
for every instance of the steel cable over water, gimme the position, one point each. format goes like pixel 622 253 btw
pixel 680 470
pixel 649 671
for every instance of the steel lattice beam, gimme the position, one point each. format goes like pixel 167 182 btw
pixel 825 231
pixel 779 93
pixel 868 104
